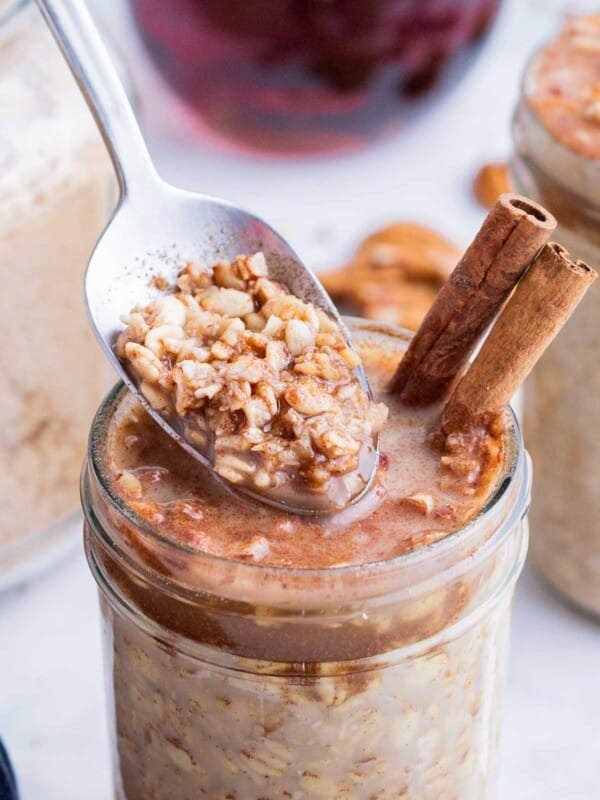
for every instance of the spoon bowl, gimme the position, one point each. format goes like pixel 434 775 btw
pixel 157 229
pixel 157 237
pixel 154 239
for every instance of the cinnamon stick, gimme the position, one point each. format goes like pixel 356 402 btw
pixel 541 304
pixel 512 234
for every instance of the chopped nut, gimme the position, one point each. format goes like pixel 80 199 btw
pixel 350 357
pixel 377 415
pixel 460 466
pixel 197 374
pixel 227 302
pixel 268 375
pixel 257 412
pixel 208 391
pixel 421 502
pixel 326 324
pixel 308 397
pixel 339 443
pixel 262 479
pixel 167 310
pixel 327 365
pixel 235 442
pixel 164 338
pixel 156 397
pixel 197 438
pixel 266 289
pixel 257 341
pixel 232 333
pixel 138 327
pixel 194 277
pixel 277 356
pixel 298 337
pixel 288 307
pixel 254 322
pixel 254 266
pixel 130 485
pixel 274 326
pixel 246 368
pixel 143 361
pixel 491 181
pixel 266 392
pixel 221 351
pixel 226 278
pixel 232 467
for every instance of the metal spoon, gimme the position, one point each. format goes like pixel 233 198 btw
pixel 157 228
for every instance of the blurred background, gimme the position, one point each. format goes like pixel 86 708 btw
pixel 335 147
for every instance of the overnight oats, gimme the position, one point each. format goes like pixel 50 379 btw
pixel 55 189
pixel 557 161
pixel 254 654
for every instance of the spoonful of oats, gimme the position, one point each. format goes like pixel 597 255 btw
pixel 259 381
pixel 230 342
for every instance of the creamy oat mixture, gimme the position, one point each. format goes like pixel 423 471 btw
pixel 565 86
pixel 421 728
pixel 261 378
pixel 419 496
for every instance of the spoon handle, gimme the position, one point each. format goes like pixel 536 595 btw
pixel 92 67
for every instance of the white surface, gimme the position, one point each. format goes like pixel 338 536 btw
pixel 52 700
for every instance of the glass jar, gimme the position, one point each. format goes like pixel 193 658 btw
pixel 233 680
pixel 55 192
pixel 561 396
pixel 310 76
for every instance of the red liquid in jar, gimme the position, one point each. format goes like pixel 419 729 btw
pixel 307 75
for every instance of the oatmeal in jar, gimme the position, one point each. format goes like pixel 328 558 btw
pixel 259 655
pixel 55 194
pixel 557 161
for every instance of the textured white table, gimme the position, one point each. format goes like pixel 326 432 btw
pixel 52 698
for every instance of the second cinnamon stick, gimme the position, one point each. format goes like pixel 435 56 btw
pixel 539 307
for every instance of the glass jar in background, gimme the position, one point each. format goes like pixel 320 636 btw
pixel 557 162
pixel 310 76
pixel 55 195
pixel 231 679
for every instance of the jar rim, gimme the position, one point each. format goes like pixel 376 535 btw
pixel 513 471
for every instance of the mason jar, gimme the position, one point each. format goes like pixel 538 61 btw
pixel 310 76
pixel 228 679
pixel 561 396
pixel 55 194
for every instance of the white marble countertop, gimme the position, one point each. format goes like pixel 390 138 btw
pixel 52 713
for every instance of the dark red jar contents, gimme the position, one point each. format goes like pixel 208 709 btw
pixel 309 75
